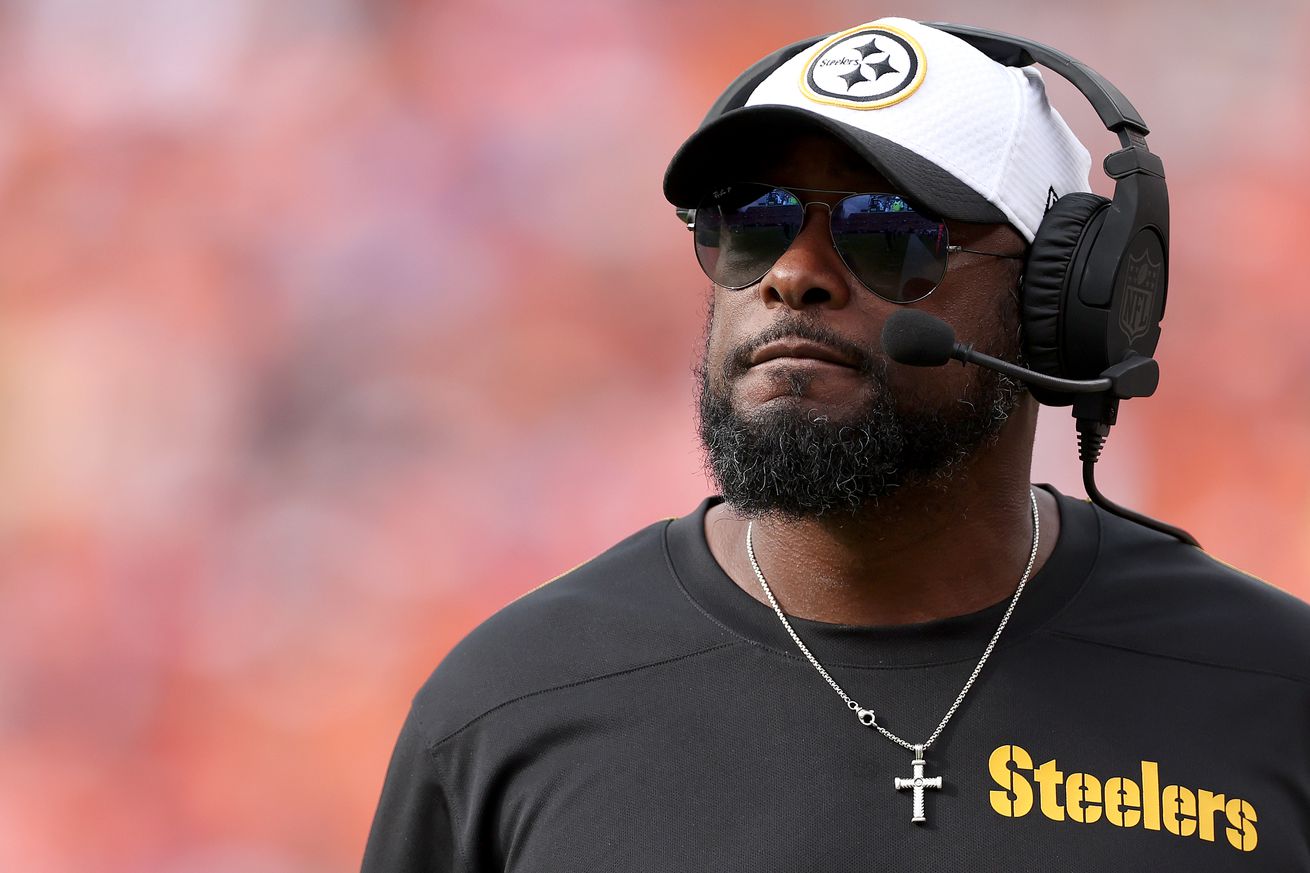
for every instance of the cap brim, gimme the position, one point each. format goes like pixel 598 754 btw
pixel 706 161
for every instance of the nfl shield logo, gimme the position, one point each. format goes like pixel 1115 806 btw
pixel 1141 287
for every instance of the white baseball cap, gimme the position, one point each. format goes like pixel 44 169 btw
pixel 959 134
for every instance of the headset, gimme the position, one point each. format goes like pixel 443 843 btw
pixel 1094 284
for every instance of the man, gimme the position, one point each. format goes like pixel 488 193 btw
pixel 880 647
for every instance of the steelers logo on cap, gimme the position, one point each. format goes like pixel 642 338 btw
pixel 867 67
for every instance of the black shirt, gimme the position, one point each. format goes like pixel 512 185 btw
pixel 1148 706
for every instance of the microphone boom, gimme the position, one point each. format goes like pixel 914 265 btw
pixel 918 339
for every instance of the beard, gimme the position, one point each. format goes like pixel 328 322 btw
pixel 794 463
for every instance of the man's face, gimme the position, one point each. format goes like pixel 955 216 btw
pixel 800 437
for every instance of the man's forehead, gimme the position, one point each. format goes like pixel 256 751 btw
pixel 809 159
pixel 818 160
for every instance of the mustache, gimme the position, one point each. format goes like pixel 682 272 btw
pixel 739 361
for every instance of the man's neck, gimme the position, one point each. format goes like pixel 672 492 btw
pixel 920 555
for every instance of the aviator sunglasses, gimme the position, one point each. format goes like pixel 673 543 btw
pixel 899 254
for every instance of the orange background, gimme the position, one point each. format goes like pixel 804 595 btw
pixel 330 327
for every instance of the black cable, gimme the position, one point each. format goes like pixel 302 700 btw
pixel 1091 437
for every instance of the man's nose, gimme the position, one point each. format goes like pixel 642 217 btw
pixel 810 273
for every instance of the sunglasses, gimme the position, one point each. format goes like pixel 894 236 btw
pixel 896 252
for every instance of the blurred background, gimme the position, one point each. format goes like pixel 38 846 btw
pixel 328 327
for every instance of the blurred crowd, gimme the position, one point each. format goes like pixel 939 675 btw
pixel 328 327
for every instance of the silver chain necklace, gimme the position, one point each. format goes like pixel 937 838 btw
pixel 918 782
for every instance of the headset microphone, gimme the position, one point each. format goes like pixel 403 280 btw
pixel 918 339
pixel 913 337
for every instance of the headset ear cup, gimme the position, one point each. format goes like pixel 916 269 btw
pixel 1046 279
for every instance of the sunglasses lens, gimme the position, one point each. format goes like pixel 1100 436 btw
pixel 895 251
pixel 742 230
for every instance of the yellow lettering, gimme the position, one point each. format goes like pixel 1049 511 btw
pixel 1208 803
pixel 1179 810
pixel 1082 795
pixel 1241 815
pixel 1017 798
pixel 1050 780
pixel 1123 802
pixel 1150 795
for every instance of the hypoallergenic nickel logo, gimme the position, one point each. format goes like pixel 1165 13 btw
pixel 865 68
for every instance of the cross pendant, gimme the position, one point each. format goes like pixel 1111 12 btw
pixel 918 782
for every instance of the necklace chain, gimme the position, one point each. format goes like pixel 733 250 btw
pixel 867 716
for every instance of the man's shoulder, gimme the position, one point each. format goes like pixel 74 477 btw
pixel 1152 593
pixel 620 611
